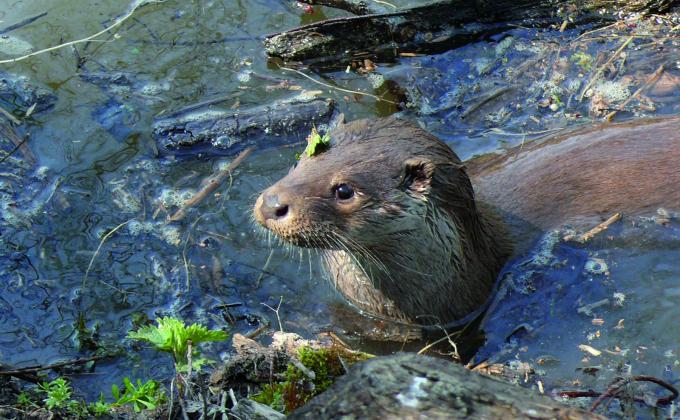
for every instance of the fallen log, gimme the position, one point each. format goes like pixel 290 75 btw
pixel 411 386
pixel 230 132
pixel 439 27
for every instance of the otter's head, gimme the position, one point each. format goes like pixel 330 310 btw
pixel 394 212
pixel 375 181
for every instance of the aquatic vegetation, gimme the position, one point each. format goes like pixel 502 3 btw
pixel 583 60
pixel 173 336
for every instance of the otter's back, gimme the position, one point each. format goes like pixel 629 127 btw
pixel 632 168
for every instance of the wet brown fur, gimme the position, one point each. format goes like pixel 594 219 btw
pixel 416 246
pixel 585 174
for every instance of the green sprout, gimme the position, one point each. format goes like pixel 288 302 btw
pixel 58 393
pixel 147 395
pixel 172 335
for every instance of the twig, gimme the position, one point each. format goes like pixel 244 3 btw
pixel 96 252
pixel 11 117
pixel 484 100
pixel 17 147
pixel 32 369
pixel 447 337
pixel 651 79
pixel 355 92
pixel 116 23
pixel 276 311
pixel 24 22
pixel 600 69
pixel 9 132
pixel 596 230
pixel 612 391
pixel 201 104
pixel 264 269
pixel 212 184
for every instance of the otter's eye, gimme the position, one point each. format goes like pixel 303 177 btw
pixel 344 192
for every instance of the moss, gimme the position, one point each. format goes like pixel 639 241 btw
pixel 327 364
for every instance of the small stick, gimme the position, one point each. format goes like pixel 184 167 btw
pixel 600 70
pixel 594 231
pixel 202 104
pixel 599 228
pixel 116 23
pixel 96 252
pixel 487 98
pixel 651 79
pixel 8 131
pixel 17 147
pixel 276 311
pixel 24 22
pixel 9 116
pixel 264 269
pixel 212 184
pixel 356 92
pixel 611 392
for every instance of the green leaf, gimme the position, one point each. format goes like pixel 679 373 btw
pixel 172 335
pixel 317 143
pixel 115 391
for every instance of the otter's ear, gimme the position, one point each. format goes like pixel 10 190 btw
pixel 417 176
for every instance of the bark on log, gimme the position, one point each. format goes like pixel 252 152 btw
pixel 411 386
pixel 229 132
pixel 438 27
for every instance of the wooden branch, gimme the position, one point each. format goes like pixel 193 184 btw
pixel 211 185
pixel 439 26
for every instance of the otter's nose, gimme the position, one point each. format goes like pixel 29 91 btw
pixel 271 207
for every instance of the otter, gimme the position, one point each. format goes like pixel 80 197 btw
pixel 410 233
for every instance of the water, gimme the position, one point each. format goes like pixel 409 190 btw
pixel 97 170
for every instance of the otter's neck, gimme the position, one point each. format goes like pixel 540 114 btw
pixel 440 269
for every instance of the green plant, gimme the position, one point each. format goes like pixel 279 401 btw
pixel 147 395
pixel 298 388
pixel 24 400
pixel 100 407
pixel 272 395
pixel 317 143
pixel 58 393
pixel 172 335
pixel 583 60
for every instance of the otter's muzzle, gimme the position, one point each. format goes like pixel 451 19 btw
pixel 271 205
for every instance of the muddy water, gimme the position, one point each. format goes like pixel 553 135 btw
pixel 97 177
